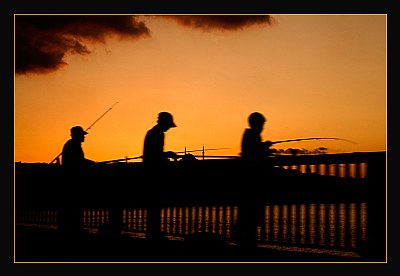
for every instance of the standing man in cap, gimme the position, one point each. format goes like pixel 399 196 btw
pixel 153 150
pixel 155 161
pixel 74 165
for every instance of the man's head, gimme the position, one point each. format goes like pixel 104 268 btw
pixel 256 121
pixel 77 133
pixel 165 120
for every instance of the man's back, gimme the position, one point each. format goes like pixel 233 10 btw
pixel 252 148
pixel 153 146
pixel 72 155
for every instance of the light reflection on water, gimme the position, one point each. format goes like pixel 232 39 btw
pixel 332 225
pixel 342 225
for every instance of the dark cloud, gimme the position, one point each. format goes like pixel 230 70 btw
pixel 43 42
pixel 220 22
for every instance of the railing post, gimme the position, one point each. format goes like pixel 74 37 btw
pixel 376 207
pixel 346 170
pixel 337 170
pixel 326 169
pixel 317 168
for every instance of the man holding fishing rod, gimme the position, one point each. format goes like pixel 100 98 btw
pixel 253 148
pixel 75 167
pixel 257 166
pixel 155 161
pixel 254 154
pixel 73 158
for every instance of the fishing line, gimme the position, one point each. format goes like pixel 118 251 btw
pixel 314 138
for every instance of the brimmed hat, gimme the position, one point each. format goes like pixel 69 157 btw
pixel 78 130
pixel 166 117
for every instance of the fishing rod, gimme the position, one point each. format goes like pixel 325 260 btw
pixel 217 156
pixel 119 160
pixel 101 116
pixel 138 157
pixel 98 119
pixel 315 138
pixel 200 150
pixel 221 156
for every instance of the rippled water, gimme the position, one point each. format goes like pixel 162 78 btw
pixel 332 225
pixel 342 225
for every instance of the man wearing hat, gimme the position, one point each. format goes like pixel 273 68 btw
pixel 153 150
pixel 156 169
pixel 73 158
pixel 74 166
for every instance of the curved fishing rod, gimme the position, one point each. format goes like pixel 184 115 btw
pixel 141 156
pixel 221 156
pixel 98 119
pixel 315 138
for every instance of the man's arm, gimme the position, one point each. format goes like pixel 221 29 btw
pixel 171 154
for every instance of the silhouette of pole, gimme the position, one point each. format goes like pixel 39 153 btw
pixel 98 119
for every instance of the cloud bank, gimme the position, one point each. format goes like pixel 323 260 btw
pixel 221 22
pixel 43 42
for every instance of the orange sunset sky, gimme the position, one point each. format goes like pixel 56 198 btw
pixel 310 75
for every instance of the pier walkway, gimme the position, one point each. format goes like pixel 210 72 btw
pixel 38 244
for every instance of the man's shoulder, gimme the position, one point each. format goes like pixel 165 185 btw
pixel 249 132
pixel 70 143
pixel 154 131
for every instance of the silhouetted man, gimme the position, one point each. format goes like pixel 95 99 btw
pixel 73 158
pixel 253 148
pixel 155 163
pixel 254 152
pixel 75 166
